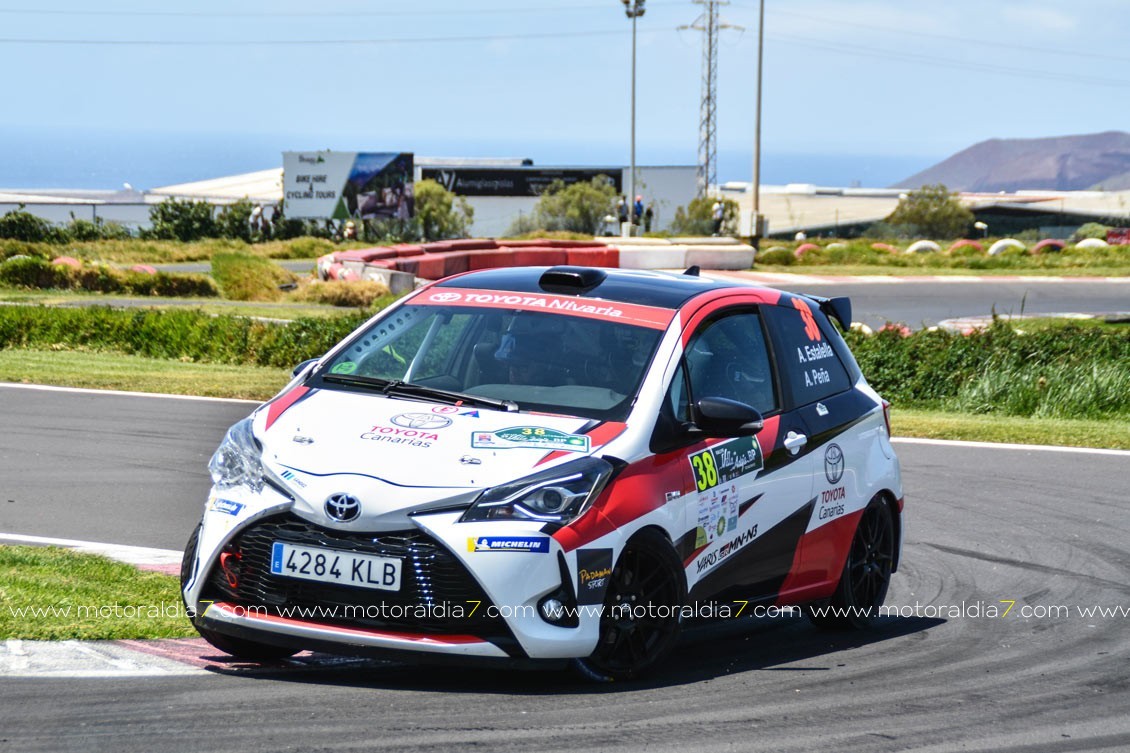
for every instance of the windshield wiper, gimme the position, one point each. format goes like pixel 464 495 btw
pixel 397 388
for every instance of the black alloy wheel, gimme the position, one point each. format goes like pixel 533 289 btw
pixel 866 575
pixel 641 620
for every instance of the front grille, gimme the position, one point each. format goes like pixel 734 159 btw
pixel 430 577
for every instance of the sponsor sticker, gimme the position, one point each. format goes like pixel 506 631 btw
pixel 430 421
pixel 652 317
pixel 530 437
pixel 725 462
pixel 293 478
pixel 594 569
pixel 345 367
pixel 539 544
pixel 227 506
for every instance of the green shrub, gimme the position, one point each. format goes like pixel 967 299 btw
pixel 174 334
pixel 304 248
pixel 35 273
pixel 944 369
pixel 234 221
pixel 697 217
pixel 775 256
pixel 95 230
pixel 39 274
pixel 20 225
pixel 186 220
pixel 350 293
pixel 1090 230
pixel 243 277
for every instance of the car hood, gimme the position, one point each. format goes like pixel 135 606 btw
pixel 409 443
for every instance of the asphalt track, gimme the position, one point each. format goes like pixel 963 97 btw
pixel 1043 529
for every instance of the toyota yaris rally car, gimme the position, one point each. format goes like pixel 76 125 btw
pixel 552 464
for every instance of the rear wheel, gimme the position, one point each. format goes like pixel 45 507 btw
pixel 867 573
pixel 640 624
pixel 240 648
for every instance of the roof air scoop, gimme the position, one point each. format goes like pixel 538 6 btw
pixel 571 280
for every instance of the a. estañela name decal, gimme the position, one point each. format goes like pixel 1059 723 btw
pixel 535 437
pixel 538 544
pixel 725 462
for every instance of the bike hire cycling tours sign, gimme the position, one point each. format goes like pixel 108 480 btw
pixel 348 185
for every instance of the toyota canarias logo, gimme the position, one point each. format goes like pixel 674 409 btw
pixel 343 507
pixel 833 463
pixel 445 297
pixel 421 421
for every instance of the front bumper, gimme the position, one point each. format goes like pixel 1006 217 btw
pixel 455 599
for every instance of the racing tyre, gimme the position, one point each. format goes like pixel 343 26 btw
pixel 867 573
pixel 237 647
pixel 641 622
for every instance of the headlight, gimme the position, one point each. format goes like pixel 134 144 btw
pixel 236 461
pixel 558 495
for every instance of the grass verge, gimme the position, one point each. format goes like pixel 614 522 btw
pixel 112 371
pixel 51 594
pixel 884 270
pixel 1110 434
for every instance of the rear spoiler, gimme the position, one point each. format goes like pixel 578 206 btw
pixel 835 308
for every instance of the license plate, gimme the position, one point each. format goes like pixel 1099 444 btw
pixel 333 566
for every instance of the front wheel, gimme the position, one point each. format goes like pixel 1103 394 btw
pixel 641 622
pixel 241 648
pixel 866 575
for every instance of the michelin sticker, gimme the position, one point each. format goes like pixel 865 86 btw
pixel 538 544
pixel 530 437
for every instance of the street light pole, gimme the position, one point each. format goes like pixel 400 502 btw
pixel 633 9
pixel 755 224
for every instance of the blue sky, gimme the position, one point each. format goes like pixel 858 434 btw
pixel 869 91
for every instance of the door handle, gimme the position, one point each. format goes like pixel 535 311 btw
pixel 794 441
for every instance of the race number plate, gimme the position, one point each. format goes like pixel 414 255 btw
pixel 333 566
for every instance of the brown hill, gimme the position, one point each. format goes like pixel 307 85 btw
pixel 1061 163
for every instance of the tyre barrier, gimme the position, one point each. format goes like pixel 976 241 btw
pixel 1048 244
pixel 439 259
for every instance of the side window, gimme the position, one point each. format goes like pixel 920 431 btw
pixel 728 357
pixel 810 368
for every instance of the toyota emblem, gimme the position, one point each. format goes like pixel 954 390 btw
pixel 445 297
pixel 343 507
pixel 833 463
pixel 421 420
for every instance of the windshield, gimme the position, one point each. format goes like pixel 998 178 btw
pixel 548 362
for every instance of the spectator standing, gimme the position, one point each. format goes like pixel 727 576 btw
pixel 717 212
pixel 637 211
pixel 622 209
pixel 648 216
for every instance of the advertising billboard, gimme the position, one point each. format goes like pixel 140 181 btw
pixel 514 181
pixel 348 185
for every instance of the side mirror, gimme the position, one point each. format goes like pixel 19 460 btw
pixel 303 366
pixel 722 417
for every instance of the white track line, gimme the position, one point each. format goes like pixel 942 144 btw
pixel 1008 446
pixel 121 393
pixel 134 555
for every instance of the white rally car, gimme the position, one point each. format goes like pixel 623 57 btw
pixel 552 464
